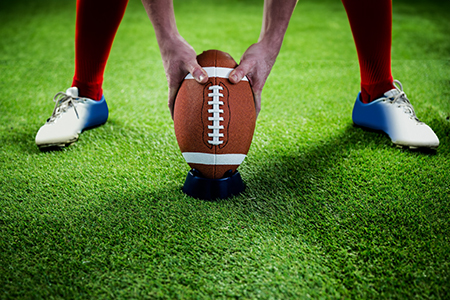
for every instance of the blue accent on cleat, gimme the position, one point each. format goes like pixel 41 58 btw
pixel 97 114
pixel 372 115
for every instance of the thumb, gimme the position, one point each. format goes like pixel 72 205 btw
pixel 240 71
pixel 198 72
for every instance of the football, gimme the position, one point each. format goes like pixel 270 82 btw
pixel 214 122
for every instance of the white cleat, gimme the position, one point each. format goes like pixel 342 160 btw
pixel 395 115
pixel 71 115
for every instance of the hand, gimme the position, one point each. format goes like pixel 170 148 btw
pixel 179 59
pixel 178 56
pixel 256 64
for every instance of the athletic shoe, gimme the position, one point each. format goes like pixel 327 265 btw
pixel 395 115
pixel 71 115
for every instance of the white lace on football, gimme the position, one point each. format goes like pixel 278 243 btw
pixel 402 101
pixel 62 102
pixel 216 118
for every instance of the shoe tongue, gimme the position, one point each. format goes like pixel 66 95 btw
pixel 391 93
pixel 72 91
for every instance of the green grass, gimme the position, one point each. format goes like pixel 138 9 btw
pixel 330 210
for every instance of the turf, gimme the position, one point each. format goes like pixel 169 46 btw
pixel 330 210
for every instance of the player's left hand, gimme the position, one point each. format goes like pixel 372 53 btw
pixel 256 64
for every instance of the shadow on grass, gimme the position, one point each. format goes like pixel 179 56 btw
pixel 22 138
pixel 19 139
pixel 296 172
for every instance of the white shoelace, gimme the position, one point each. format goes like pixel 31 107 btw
pixel 402 101
pixel 62 102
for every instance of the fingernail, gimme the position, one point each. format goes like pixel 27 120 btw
pixel 199 76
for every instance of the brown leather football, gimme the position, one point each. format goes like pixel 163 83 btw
pixel 214 122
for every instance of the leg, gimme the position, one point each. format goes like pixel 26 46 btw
pixel 381 105
pixel 83 106
pixel 96 26
pixel 371 24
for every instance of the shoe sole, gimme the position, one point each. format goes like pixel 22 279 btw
pixel 415 148
pixel 424 148
pixel 57 145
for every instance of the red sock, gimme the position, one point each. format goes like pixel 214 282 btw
pixel 96 26
pixel 371 24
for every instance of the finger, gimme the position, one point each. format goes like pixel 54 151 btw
pixel 240 71
pixel 258 105
pixel 172 94
pixel 257 96
pixel 200 75
pixel 197 72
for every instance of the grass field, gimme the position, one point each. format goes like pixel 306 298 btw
pixel 330 210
